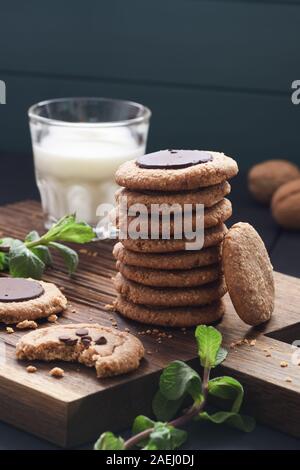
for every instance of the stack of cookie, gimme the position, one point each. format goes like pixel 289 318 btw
pixel 163 281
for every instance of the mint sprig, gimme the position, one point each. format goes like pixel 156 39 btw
pixel 179 384
pixel 30 258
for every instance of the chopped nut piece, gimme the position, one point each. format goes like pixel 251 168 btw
pixel 288 379
pixel 9 330
pixel 52 318
pixel 57 372
pixel 283 364
pixel 27 325
pixel 31 369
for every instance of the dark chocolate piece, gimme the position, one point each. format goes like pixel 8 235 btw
pixel 82 332
pixel 19 289
pixel 173 159
pixel 100 340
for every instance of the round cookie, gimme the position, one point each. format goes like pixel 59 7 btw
pixel 51 301
pixel 212 237
pixel 172 317
pixel 286 205
pixel 266 177
pixel 133 177
pixel 180 260
pixel 249 274
pixel 207 196
pixel 168 296
pixel 213 216
pixel 111 352
pixel 179 278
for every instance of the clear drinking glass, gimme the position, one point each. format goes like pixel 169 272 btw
pixel 78 144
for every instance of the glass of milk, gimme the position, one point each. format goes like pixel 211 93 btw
pixel 78 144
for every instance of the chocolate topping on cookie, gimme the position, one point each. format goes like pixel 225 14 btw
pixel 19 289
pixel 68 340
pixel 82 332
pixel 173 159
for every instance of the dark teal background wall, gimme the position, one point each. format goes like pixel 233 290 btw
pixel 217 74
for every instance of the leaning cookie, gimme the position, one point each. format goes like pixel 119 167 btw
pixel 181 260
pixel 171 278
pixel 212 236
pixel 27 299
pixel 171 316
pixel 249 274
pixel 206 196
pixel 212 169
pixel 111 352
pixel 168 296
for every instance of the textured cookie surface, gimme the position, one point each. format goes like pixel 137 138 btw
pixel 212 237
pixel 111 352
pixel 170 278
pixel 249 274
pixel 176 223
pixel 52 301
pixel 207 196
pixel 180 260
pixel 169 297
pixel 173 317
pixel 221 168
pixel 286 205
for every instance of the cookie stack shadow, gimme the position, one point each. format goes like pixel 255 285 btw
pixel 159 281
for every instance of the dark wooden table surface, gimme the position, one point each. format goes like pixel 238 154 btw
pixel 284 249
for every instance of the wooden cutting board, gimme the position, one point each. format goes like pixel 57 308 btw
pixel 77 408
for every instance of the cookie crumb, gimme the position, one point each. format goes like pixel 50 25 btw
pixel 170 336
pixel 252 342
pixel 27 325
pixel 284 364
pixel 114 323
pixel 52 318
pixel 57 372
pixel 288 379
pixel 127 330
pixel 9 330
pixel 268 354
pixel 83 251
pixel 109 307
pixel 31 369
pixel 149 352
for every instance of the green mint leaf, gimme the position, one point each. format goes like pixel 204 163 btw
pixel 32 236
pixel 3 261
pixel 227 388
pixel 221 356
pixel 68 230
pixel 108 441
pixel 8 241
pixel 165 437
pixel 140 424
pixel 241 422
pixel 23 262
pixel 179 379
pixel 70 256
pixel 209 341
pixel 42 252
pixel 165 409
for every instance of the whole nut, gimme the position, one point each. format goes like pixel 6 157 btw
pixel 266 177
pixel 286 205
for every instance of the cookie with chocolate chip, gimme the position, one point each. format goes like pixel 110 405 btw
pixel 176 170
pixel 27 299
pixel 111 352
